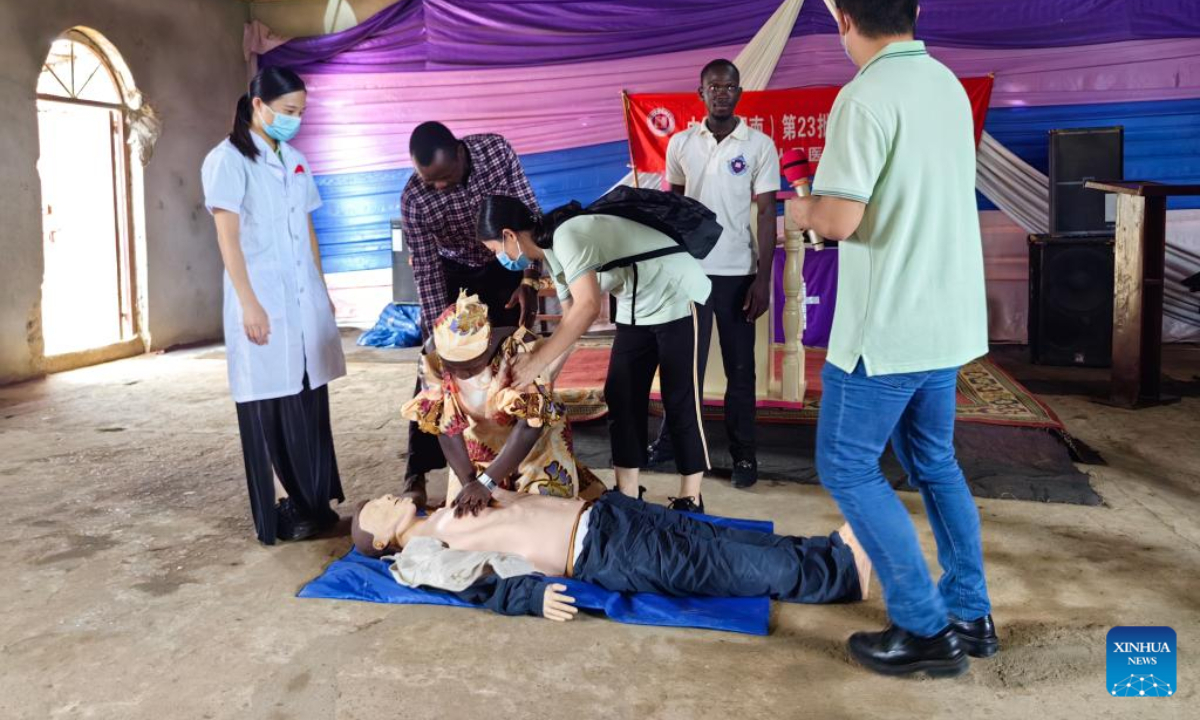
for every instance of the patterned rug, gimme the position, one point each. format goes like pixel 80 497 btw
pixel 986 393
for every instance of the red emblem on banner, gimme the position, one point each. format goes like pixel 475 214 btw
pixel 661 122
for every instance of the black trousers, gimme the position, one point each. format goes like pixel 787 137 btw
pixel 632 546
pixel 289 437
pixel 737 354
pixel 638 351
pixel 494 285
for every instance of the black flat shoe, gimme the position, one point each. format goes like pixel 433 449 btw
pixel 978 637
pixel 291 524
pixel 745 474
pixel 686 504
pixel 659 453
pixel 895 651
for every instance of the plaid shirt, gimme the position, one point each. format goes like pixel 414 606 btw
pixel 441 224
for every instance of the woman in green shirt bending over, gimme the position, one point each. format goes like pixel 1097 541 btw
pixel 656 323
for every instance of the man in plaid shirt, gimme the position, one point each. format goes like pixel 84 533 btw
pixel 438 212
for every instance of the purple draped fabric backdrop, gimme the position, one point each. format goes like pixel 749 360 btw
pixel 360 121
pixel 391 40
pixel 449 34
pixel 820 295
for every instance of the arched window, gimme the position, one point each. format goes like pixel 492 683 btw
pixel 89 294
pixel 76 70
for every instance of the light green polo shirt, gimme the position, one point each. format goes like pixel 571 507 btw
pixel 910 293
pixel 666 286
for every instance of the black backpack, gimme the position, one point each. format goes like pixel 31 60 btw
pixel 688 222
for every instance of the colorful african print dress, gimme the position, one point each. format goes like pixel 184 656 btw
pixel 483 409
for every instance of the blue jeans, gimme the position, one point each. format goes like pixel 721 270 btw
pixel 858 416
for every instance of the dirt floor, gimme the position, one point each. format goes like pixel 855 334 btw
pixel 135 589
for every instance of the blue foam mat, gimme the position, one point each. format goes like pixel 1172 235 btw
pixel 357 577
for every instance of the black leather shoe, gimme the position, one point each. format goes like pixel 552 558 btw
pixel 978 637
pixel 686 504
pixel 745 474
pixel 895 651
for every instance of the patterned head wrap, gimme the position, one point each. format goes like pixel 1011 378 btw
pixel 463 333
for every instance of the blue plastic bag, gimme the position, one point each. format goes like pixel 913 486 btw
pixel 399 326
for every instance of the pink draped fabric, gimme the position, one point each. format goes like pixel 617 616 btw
pixel 361 122
pixel 258 39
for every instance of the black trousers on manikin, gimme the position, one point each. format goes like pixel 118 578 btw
pixel 633 547
pixel 494 285
pixel 290 437
pixel 638 352
pixel 737 354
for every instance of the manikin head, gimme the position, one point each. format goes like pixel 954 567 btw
pixel 439 158
pixel 380 526
pixel 866 26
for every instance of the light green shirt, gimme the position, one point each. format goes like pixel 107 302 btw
pixel 910 279
pixel 666 286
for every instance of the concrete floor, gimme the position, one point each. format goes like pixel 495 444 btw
pixel 134 588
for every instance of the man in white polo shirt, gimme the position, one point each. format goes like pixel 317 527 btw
pixel 897 183
pixel 730 167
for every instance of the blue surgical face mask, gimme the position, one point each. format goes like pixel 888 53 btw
pixel 283 127
pixel 521 264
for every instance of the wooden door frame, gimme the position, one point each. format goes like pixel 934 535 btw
pixel 133 340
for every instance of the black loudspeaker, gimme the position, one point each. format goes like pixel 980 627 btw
pixel 1071 300
pixel 1077 156
pixel 404 285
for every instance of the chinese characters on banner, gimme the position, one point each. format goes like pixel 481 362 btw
pixel 794 118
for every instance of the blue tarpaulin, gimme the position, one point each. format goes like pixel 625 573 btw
pixel 357 577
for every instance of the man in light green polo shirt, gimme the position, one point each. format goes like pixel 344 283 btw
pixel 896 182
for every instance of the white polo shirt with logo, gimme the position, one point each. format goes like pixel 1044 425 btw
pixel 726 176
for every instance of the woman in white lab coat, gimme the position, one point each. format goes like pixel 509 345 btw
pixel 280 335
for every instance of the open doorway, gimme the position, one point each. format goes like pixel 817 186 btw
pixel 89 308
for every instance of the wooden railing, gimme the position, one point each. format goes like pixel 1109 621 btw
pixel 788 383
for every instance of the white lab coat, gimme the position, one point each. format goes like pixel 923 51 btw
pixel 273 200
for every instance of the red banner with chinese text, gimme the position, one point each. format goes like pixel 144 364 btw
pixel 793 118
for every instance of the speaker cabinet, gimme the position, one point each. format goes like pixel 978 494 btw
pixel 404 285
pixel 1077 156
pixel 1071 300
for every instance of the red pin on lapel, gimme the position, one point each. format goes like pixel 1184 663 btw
pixel 299 169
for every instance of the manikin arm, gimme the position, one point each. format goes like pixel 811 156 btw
pixel 523 595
